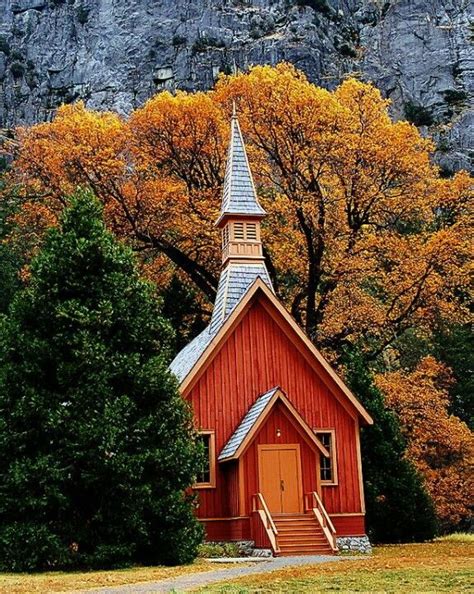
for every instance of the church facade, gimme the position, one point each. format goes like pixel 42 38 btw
pixel 279 426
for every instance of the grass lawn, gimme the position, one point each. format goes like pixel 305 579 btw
pixel 446 565
pixel 441 566
pixel 21 583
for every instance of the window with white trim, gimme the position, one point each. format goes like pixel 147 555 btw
pixel 328 466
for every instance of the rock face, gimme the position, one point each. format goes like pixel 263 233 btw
pixel 117 53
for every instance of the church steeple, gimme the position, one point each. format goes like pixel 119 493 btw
pixel 241 212
pixel 242 254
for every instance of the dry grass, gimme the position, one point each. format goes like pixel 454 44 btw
pixel 433 567
pixel 22 583
pixel 446 565
pixel 467 537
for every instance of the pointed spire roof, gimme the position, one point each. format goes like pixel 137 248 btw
pixel 239 196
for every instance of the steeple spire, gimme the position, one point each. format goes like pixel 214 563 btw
pixel 240 210
pixel 239 196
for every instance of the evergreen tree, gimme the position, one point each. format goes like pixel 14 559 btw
pixel 182 307
pixel 9 260
pixel 96 445
pixel 454 346
pixel 398 506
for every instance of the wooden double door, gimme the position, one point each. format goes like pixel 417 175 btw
pixel 280 477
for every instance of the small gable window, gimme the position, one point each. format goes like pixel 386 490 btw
pixel 328 466
pixel 206 477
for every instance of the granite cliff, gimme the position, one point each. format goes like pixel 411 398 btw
pixel 117 53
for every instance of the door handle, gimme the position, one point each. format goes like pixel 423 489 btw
pixel 282 485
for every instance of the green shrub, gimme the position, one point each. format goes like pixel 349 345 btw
pixel 17 55
pixel 82 14
pixel 347 50
pixel 4 46
pixel 179 40
pixel 317 5
pixel 452 96
pixel 212 550
pixel 203 43
pixel 97 447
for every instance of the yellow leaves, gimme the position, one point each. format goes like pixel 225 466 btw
pixel 350 194
pixel 440 444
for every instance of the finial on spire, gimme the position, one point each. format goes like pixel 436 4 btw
pixel 234 109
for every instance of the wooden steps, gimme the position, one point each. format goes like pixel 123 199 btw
pixel 300 534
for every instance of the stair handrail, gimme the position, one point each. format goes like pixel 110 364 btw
pixel 324 520
pixel 260 507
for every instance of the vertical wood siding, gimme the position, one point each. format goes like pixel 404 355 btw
pixel 256 357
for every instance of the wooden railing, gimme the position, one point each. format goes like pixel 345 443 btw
pixel 260 508
pixel 314 504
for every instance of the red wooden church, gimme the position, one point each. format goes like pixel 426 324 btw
pixel 281 429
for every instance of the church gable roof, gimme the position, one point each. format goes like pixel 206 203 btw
pixel 254 419
pixel 234 282
pixel 208 346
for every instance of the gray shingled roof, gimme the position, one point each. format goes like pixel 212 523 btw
pixel 249 420
pixel 239 191
pixel 233 284
pixel 235 281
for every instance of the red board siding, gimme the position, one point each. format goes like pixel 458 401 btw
pixel 256 357
pixel 349 525
pixel 234 529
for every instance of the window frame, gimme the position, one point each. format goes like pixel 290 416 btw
pixel 334 482
pixel 212 461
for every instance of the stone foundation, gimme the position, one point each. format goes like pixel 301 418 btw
pixel 354 544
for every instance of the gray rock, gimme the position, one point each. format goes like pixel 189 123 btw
pixel 115 54
pixel 354 544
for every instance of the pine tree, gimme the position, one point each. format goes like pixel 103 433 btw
pixel 10 261
pixel 398 506
pixel 97 447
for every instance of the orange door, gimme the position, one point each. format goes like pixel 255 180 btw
pixel 280 482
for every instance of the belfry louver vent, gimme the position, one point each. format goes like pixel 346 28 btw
pixel 251 234
pixel 239 233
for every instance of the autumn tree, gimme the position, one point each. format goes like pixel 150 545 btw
pixel 366 243
pixel 440 444
pixel 97 446
pixel 399 508
pixel 360 220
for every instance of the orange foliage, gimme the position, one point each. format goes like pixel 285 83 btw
pixel 364 239
pixel 440 445
pixel 354 235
